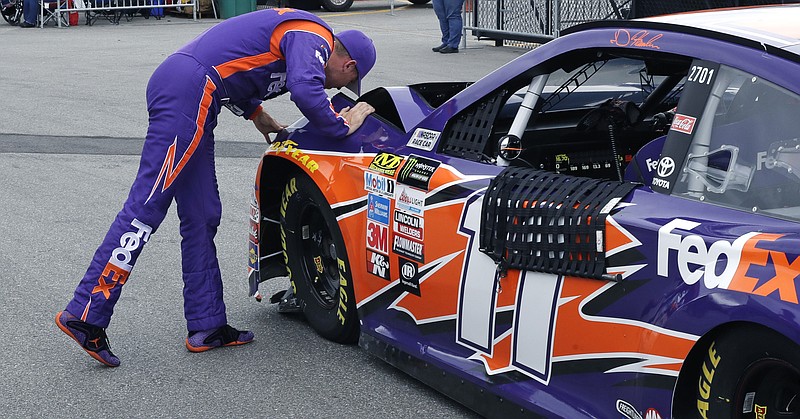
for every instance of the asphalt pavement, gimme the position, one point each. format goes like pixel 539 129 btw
pixel 72 122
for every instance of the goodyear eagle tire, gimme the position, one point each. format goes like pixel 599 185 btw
pixel 752 373
pixel 315 253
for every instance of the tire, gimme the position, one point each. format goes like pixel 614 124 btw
pixel 12 14
pixel 317 259
pixel 419 1
pixel 750 373
pixel 336 5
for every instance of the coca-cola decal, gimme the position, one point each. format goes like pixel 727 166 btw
pixel 683 123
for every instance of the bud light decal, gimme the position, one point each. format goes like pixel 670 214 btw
pixel 695 96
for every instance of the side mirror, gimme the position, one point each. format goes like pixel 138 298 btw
pixel 509 148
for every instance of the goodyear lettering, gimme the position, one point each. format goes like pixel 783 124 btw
pixel 704 384
pixel 289 190
pixel 341 313
pixel 697 261
pixel 289 148
pixel 119 266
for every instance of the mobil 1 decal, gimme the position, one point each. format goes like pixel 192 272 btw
pixel 417 171
pixel 696 95
pixel 409 276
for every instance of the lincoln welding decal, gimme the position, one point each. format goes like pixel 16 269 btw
pixel 417 171
pixel 386 163
pixel 408 225
pixel 423 139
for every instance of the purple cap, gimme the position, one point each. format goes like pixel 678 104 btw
pixel 362 50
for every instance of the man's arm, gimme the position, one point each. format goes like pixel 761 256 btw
pixel 306 54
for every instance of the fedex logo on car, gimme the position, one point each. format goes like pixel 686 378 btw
pixel 728 265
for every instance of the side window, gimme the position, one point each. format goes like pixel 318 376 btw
pixel 745 152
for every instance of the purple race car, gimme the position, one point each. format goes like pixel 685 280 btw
pixel 605 227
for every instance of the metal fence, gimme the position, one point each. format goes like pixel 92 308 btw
pixel 113 10
pixel 539 21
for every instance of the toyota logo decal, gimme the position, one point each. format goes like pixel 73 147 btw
pixel 665 167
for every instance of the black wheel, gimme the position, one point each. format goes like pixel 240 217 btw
pixel 316 256
pixel 751 373
pixel 419 1
pixel 13 13
pixel 336 5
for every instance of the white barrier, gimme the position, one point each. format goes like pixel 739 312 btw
pixel 57 9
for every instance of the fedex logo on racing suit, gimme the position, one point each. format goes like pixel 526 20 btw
pixel 119 264
pixel 728 265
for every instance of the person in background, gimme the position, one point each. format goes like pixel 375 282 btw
pixel 236 64
pixel 450 23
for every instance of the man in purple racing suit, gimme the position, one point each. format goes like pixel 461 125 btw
pixel 236 64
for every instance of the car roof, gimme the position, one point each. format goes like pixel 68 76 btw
pixel 773 27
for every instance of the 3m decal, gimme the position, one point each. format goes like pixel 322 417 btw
pixel 409 276
pixel 642 39
pixel 378 237
pixel 410 200
pixel 378 265
pixel 408 225
pixel 119 266
pixel 423 139
pixel 408 248
pixel 378 208
pixel 386 163
pixel 704 386
pixel 728 265
pixel 417 171
pixel 378 184
pixel 289 148
pixel 683 123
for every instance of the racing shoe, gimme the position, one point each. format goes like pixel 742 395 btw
pixel 204 340
pixel 92 339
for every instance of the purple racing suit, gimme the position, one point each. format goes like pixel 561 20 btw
pixel 236 64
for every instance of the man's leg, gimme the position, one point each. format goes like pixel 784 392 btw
pixel 179 98
pixel 455 22
pixel 441 14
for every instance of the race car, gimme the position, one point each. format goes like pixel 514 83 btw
pixel 605 227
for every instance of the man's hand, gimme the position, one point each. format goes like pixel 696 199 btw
pixel 356 116
pixel 266 124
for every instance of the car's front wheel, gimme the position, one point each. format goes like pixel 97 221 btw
pixel 315 254
pixel 750 373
